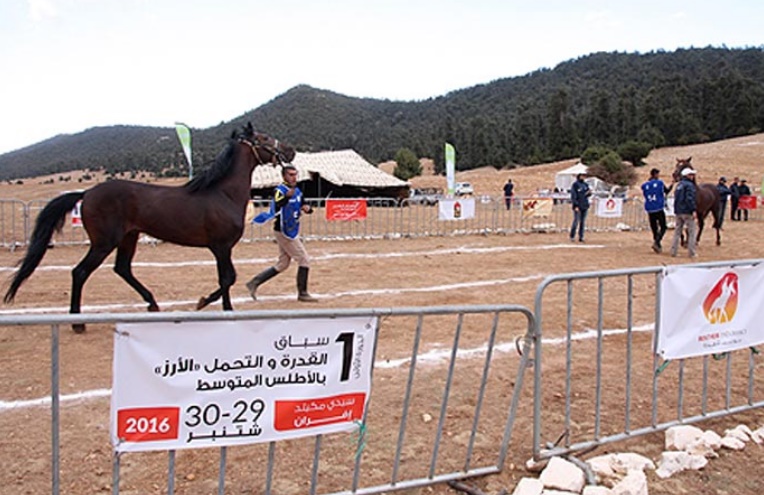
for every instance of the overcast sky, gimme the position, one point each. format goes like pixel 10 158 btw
pixel 68 65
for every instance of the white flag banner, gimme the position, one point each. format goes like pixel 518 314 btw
pixel 205 384
pixel 456 209
pixel 610 207
pixel 710 310
pixel 77 214
pixel 450 156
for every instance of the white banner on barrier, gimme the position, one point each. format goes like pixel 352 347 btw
pixel 204 384
pixel 710 310
pixel 456 209
pixel 610 207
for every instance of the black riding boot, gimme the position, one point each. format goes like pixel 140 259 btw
pixel 302 285
pixel 259 279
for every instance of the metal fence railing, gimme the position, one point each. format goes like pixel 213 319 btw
pixel 430 423
pixel 424 424
pixel 386 219
pixel 611 384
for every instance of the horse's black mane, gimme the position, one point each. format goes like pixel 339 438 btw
pixel 221 166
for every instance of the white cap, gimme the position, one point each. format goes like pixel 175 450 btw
pixel 687 172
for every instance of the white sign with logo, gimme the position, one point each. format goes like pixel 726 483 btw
pixel 204 384
pixel 456 209
pixel 609 207
pixel 710 310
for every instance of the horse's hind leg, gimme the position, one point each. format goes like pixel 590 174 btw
pixel 701 221
pixel 717 220
pixel 80 274
pixel 226 278
pixel 123 268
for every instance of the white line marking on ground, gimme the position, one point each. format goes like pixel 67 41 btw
pixel 399 254
pixel 103 308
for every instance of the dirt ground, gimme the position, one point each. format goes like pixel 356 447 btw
pixel 500 269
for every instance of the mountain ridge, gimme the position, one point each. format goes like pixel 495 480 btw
pixel 664 98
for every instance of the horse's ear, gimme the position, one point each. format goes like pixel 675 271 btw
pixel 250 130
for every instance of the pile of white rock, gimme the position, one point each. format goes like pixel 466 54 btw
pixel 687 448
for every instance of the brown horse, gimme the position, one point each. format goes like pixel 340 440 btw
pixel 708 200
pixel 208 211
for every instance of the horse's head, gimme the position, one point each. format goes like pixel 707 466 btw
pixel 681 164
pixel 265 148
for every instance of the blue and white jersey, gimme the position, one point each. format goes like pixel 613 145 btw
pixel 288 211
pixel 655 195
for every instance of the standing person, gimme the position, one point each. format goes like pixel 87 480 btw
pixel 509 189
pixel 286 208
pixel 743 190
pixel 685 203
pixel 579 198
pixel 724 193
pixel 734 199
pixel 655 191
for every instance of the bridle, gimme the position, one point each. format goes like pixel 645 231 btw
pixel 277 157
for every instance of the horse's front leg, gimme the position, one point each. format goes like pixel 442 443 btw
pixel 226 278
pixel 700 228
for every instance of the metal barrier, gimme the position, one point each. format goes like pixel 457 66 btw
pixel 424 424
pixel 611 385
pixel 431 424
pixel 386 219
pixel 14 223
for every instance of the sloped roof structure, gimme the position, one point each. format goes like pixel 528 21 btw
pixel 343 168
pixel 565 178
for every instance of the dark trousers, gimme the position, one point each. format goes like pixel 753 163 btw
pixel 657 225
pixel 579 223
pixel 734 215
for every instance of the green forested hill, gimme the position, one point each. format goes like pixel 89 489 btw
pixel 664 98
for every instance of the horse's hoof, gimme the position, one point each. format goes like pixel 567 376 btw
pixel 153 308
pixel 78 327
pixel 201 304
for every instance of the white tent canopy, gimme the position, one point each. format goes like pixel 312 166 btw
pixel 343 167
pixel 565 178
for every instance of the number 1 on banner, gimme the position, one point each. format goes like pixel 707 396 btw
pixel 147 424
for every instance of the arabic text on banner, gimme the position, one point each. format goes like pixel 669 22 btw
pixel 609 207
pixel 204 384
pixel 345 209
pixel 456 209
pixel 710 310
pixel 747 202
pixel 537 207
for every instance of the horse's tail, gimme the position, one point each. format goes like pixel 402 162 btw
pixel 51 219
